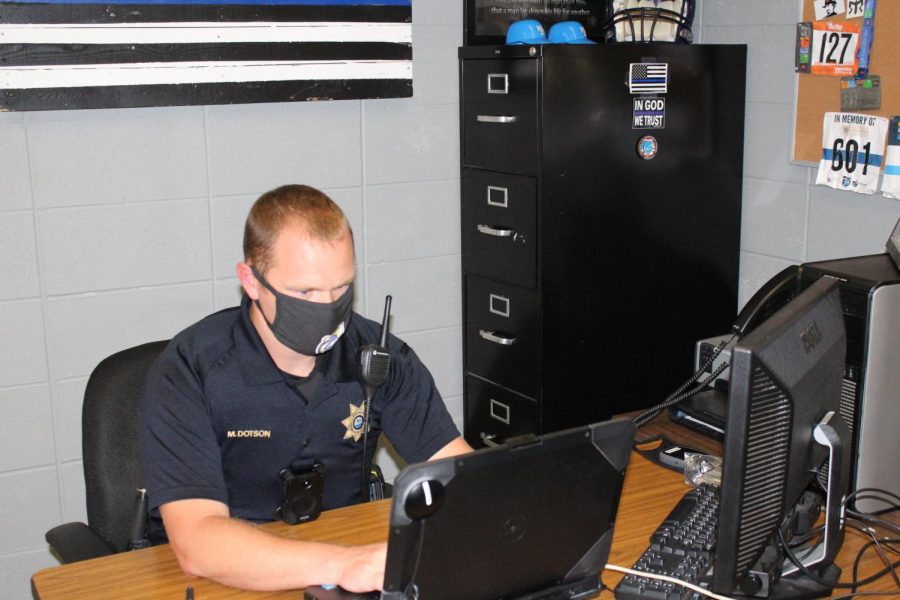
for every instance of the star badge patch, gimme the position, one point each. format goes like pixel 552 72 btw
pixel 355 422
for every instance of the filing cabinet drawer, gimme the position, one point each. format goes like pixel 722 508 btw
pixel 502 334
pixel 494 415
pixel 499 226
pixel 500 114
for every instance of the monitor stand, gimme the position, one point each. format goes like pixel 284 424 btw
pixel 794 584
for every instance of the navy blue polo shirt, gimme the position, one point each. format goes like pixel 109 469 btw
pixel 219 420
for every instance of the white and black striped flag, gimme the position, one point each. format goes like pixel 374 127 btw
pixel 60 54
pixel 648 78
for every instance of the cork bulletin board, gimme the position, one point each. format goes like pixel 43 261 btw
pixel 818 94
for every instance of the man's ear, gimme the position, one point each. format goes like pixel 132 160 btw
pixel 248 280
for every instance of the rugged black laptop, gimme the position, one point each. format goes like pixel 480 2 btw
pixel 531 519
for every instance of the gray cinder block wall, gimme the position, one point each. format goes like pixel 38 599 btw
pixel 123 226
pixel 787 219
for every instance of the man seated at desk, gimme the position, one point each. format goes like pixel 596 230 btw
pixel 249 391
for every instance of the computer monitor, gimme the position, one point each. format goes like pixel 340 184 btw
pixel 783 405
pixel 893 244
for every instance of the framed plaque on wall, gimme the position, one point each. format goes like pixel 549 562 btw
pixel 486 21
pixel 74 54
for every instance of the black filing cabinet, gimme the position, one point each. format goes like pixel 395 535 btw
pixel 589 271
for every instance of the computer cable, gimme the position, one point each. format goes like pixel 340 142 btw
pixel 677 396
pixel 858 594
pixel 874 521
pixel 685 584
pixel 865 529
pixel 800 540
pixel 879 545
pixel 651 413
pixel 793 558
pixel 876 577
pixel 851 586
pixel 871 490
pixel 874 543
pixel 891 499
pixel 873 518
pixel 884 511
pixel 412 590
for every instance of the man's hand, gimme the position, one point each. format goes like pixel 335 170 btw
pixel 210 544
pixel 363 568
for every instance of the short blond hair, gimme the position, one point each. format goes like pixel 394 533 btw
pixel 300 206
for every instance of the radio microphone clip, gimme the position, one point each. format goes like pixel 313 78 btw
pixel 374 361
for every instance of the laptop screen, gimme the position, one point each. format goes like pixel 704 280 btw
pixel 524 520
pixel 532 519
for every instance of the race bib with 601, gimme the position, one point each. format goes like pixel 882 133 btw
pixel 852 151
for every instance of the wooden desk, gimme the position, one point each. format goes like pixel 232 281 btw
pixel 649 494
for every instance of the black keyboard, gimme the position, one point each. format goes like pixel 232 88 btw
pixel 681 547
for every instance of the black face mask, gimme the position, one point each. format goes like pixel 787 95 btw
pixel 307 327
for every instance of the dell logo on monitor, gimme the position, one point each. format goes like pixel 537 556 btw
pixel 811 337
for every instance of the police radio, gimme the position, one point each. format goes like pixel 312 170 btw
pixel 372 365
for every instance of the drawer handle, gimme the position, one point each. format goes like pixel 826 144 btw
pixel 497 231
pixel 496 118
pixel 488 439
pixel 500 411
pixel 497 339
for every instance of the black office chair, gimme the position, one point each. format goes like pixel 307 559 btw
pixel 112 466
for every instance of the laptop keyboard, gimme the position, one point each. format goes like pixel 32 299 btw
pixel 681 547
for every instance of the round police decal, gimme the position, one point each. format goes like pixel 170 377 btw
pixel 647 147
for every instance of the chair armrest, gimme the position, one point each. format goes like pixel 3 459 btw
pixel 73 542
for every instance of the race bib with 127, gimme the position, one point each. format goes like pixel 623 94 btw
pixel 852 151
pixel 834 48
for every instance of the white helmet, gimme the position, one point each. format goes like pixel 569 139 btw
pixel 649 21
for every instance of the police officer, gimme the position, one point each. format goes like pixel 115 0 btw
pixel 249 391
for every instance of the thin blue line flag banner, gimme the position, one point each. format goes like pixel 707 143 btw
pixel 69 54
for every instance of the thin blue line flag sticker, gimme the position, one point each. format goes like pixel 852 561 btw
pixel 648 78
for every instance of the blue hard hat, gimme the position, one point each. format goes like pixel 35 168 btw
pixel 526 31
pixel 569 32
